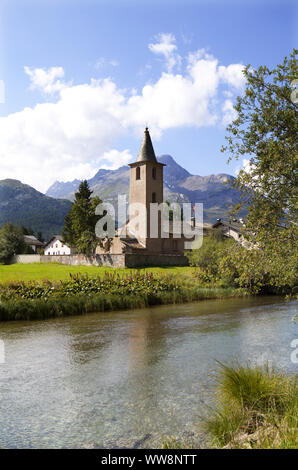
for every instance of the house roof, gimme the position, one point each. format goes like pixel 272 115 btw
pixel 235 225
pixel 32 240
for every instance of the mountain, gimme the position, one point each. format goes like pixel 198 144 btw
pixel 212 190
pixel 59 190
pixel 23 205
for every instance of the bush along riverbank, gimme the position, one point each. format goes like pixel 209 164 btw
pixel 257 408
pixel 81 294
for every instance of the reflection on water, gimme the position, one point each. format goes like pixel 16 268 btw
pixel 111 379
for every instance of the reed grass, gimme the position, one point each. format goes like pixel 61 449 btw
pixel 257 407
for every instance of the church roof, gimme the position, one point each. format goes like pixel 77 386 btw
pixel 146 152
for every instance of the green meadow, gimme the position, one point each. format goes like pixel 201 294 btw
pixel 59 272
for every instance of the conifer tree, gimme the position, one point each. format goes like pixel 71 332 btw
pixel 79 224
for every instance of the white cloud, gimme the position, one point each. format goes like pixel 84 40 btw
pixel 46 80
pixel 75 135
pixel 246 166
pixel 232 75
pixel 166 47
pixel 113 159
pixel 229 113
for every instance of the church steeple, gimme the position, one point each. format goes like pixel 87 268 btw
pixel 146 152
pixel 146 187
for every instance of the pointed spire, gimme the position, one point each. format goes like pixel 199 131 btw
pixel 146 152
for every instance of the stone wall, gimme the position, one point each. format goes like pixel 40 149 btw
pixel 25 259
pixel 82 260
pixel 129 260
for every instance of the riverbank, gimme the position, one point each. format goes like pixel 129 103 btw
pixel 111 291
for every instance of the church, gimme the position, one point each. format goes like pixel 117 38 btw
pixel 143 240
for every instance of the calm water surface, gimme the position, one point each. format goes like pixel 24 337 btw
pixel 126 379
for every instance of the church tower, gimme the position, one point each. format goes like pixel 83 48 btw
pixel 146 186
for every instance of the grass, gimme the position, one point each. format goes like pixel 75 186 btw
pixel 119 289
pixel 57 272
pixel 257 408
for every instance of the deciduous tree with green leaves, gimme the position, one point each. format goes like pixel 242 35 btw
pixel 265 134
pixel 79 226
pixel 11 242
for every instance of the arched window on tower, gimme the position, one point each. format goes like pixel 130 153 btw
pixel 138 173
pixel 154 173
pixel 153 197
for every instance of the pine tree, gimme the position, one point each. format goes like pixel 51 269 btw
pixel 79 224
pixel 40 237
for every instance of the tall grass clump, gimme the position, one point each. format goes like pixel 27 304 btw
pixel 257 407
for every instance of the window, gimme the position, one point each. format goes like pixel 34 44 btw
pixel 154 173
pixel 175 245
pixel 138 173
pixel 153 197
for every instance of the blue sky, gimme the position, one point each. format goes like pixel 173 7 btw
pixel 56 124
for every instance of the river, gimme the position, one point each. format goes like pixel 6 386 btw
pixel 131 378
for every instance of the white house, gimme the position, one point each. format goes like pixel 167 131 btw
pixel 56 246
pixel 232 229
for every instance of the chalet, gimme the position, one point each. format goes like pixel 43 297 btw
pixel 33 242
pixel 231 229
pixel 56 246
